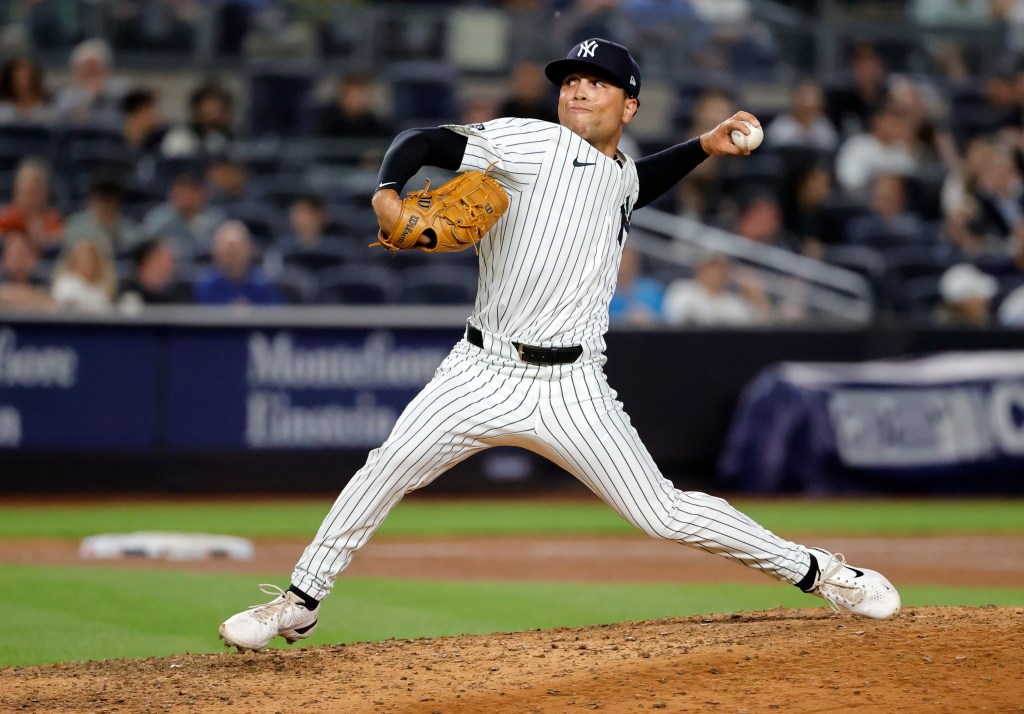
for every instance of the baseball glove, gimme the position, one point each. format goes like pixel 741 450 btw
pixel 453 216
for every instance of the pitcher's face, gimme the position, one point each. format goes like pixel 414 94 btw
pixel 595 109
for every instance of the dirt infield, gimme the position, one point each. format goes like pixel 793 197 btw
pixel 928 660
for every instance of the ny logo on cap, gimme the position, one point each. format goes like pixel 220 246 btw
pixel 587 48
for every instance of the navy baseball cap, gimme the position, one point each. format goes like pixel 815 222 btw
pixel 599 56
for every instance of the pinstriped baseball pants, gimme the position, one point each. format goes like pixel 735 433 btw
pixel 481 398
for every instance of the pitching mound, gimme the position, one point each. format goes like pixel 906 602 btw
pixel 930 659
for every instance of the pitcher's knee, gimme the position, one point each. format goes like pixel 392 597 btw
pixel 660 524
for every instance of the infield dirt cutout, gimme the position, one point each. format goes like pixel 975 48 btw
pixel 928 660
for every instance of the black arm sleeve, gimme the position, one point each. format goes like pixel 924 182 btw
pixel 415 148
pixel 660 172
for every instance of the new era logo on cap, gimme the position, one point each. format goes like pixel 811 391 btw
pixel 603 57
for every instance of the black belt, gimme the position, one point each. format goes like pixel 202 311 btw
pixel 529 353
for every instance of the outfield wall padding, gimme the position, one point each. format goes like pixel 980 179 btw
pixel 187 400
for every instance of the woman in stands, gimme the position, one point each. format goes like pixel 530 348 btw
pixel 23 98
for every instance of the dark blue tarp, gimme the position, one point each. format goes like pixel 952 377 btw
pixel 949 423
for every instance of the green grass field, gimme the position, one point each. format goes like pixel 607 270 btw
pixel 426 517
pixel 75 613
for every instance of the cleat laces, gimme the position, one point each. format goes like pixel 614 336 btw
pixel 281 605
pixel 833 588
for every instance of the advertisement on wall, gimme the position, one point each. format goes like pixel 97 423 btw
pixel 209 389
pixel 69 389
pixel 289 389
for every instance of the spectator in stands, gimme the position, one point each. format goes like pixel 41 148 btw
pixel 232 279
pixel 210 129
pixel 889 222
pixel 805 125
pixel 185 218
pixel 155 279
pixel 23 97
pixel 102 220
pixel 142 128
pixel 93 97
pixel 307 217
pixel 966 294
pixel 1000 194
pixel 760 220
pixel 29 210
pixel 530 94
pixel 638 298
pixel 84 278
pixel 805 193
pixel 933 147
pixel 961 228
pixel 887 148
pixel 700 192
pixel 19 286
pixel 1002 100
pixel 351 113
pixel 712 299
pixel 852 108
pixel 227 179
pixel 962 178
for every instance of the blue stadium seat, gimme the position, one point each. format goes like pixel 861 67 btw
pixel 300 287
pixel 358 284
pixel 423 90
pixel 277 96
pixel 439 285
pixel 330 254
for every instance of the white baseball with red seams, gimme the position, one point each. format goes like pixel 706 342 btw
pixel 748 141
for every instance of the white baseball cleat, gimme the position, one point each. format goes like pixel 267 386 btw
pixel 857 590
pixel 286 615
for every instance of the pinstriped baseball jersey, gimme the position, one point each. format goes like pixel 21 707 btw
pixel 547 274
pixel 548 267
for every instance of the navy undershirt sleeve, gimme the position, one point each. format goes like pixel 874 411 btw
pixel 660 172
pixel 415 148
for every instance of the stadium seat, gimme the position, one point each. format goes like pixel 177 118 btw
pixel 438 285
pixel 300 287
pixel 907 263
pixel 330 254
pixel 358 284
pixel 264 223
pixel 424 92
pixel 277 96
pixel 920 297
pixel 861 259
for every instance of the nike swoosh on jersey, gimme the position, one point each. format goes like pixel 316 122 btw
pixel 577 163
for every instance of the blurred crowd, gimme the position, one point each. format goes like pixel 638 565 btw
pixel 912 179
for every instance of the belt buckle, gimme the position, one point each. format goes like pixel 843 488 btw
pixel 519 351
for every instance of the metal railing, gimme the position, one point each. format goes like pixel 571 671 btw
pixel 828 293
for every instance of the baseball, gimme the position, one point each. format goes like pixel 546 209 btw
pixel 748 141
